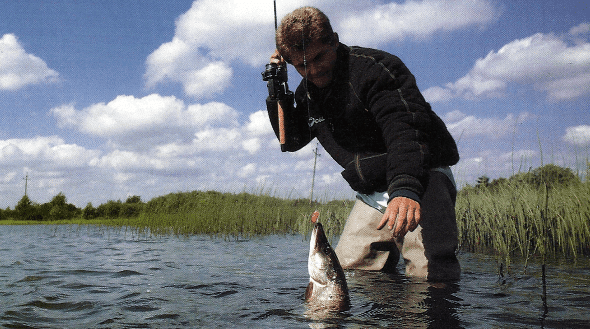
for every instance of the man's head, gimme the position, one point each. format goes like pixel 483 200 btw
pixel 306 40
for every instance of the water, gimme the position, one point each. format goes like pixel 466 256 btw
pixel 86 277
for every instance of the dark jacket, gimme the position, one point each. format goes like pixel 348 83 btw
pixel 373 121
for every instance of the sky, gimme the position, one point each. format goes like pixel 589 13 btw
pixel 105 100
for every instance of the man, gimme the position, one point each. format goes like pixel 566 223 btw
pixel 365 109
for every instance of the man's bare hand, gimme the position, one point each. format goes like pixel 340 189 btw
pixel 276 58
pixel 402 216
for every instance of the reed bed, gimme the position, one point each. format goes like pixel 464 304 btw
pixel 525 220
pixel 235 215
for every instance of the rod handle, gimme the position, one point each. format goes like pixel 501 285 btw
pixel 281 116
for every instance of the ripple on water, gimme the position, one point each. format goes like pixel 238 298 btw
pixel 65 307
pixel 126 273
pixel 91 280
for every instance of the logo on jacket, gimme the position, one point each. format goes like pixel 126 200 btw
pixel 313 121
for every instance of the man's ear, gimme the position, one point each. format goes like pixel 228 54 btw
pixel 336 38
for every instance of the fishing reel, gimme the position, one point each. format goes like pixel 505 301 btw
pixel 276 77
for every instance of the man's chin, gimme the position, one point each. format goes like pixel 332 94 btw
pixel 322 82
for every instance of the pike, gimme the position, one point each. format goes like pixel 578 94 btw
pixel 327 288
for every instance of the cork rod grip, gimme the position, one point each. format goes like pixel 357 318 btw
pixel 281 116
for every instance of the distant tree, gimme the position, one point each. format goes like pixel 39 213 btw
pixel 133 199
pixel 8 213
pixel 61 209
pixel 132 207
pixel 129 210
pixel 496 184
pixel 111 209
pixel 89 212
pixel 59 200
pixel 483 181
pixel 526 178
pixel 553 175
pixel 44 211
pixel 26 210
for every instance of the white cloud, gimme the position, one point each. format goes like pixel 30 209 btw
pixel 52 151
pixel 247 170
pixel 8 177
pixel 578 135
pixel 329 179
pixel 462 125
pixel 259 124
pixel 582 29
pixel 19 69
pixel 158 133
pixel 209 36
pixel 217 139
pixel 177 61
pixel 252 145
pixel 212 114
pixel 550 63
pixel 416 19
pixel 145 122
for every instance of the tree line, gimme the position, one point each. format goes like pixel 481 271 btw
pixel 59 209
pixel 547 176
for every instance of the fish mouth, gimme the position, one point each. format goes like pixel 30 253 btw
pixel 318 238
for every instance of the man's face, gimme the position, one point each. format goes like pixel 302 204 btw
pixel 316 63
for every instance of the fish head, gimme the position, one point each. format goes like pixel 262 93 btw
pixel 327 283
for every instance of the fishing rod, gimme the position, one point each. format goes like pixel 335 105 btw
pixel 276 76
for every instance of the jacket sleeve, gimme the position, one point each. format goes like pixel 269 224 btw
pixel 392 96
pixel 297 132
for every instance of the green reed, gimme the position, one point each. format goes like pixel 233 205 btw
pixel 526 221
pixel 234 215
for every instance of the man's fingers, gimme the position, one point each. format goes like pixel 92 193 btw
pixel 276 58
pixel 383 221
pixel 416 220
pixel 400 227
pixel 401 221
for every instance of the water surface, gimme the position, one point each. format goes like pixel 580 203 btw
pixel 88 277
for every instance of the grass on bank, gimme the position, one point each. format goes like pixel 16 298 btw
pixel 525 219
pixel 239 215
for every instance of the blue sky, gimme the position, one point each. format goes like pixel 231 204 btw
pixel 103 100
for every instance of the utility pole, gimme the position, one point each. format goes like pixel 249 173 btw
pixel 26 183
pixel 315 152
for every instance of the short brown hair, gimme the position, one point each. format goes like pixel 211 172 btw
pixel 301 27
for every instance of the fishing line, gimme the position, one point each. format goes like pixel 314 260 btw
pixel 310 118
pixel 305 71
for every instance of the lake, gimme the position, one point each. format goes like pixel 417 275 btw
pixel 92 277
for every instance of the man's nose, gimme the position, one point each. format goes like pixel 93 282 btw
pixel 313 68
